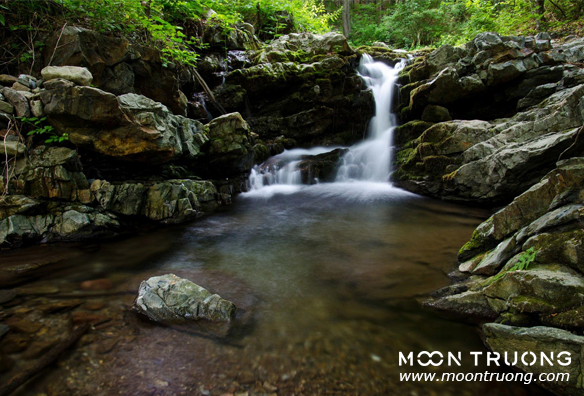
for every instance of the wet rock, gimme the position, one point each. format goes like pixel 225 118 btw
pixel 78 75
pixel 548 340
pixel 81 317
pixel 466 305
pixel 6 296
pixel 94 305
pixel 37 290
pixel 170 298
pixel 6 363
pixel 170 201
pixel 58 306
pixel 37 349
pixel 96 285
pixel 4 329
pixel 58 84
pixel 320 168
pixel 60 222
pixel 14 343
pixel 19 325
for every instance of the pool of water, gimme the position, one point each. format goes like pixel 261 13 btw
pixel 328 279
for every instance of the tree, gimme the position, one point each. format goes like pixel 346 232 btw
pixel 347 18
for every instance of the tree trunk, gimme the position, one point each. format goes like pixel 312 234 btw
pixel 540 11
pixel 346 18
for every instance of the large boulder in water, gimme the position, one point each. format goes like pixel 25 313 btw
pixel 168 298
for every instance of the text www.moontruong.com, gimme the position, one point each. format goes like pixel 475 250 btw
pixel 526 378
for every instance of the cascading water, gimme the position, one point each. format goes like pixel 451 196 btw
pixel 371 160
pixel 367 162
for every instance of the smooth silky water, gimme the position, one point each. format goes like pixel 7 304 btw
pixel 328 280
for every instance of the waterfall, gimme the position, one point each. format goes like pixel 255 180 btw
pixel 371 159
pixel 368 161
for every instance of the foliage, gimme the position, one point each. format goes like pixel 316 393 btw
pixel 415 23
pixel 522 264
pixel 38 127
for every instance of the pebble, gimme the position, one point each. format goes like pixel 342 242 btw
pixel 4 329
pixel 6 295
pixel 37 290
pixel 23 326
pixel 60 306
pixel 93 319
pixel 94 305
pixel 97 284
pixel 14 343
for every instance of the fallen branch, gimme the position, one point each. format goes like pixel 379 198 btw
pixel 208 91
pixel 44 362
pixel 57 44
pixel 573 144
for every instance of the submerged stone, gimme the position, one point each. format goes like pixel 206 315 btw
pixel 170 298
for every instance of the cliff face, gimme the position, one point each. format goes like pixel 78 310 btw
pixel 125 140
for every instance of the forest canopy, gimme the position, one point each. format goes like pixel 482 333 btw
pixel 176 26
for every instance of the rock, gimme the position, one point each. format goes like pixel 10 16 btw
pixel 94 305
pixel 170 298
pixel 51 173
pixel 80 317
pixel 7 80
pixel 18 100
pixel 168 201
pixel 59 306
pixel 38 349
pixel 547 340
pixel 116 64
pixel 58 83
pixel 320 168
pixel 6 296
pixel 4 329
pixel 14 343
pixel 433 113
pixel 78 75
pixel 6 107
pixel 466 305
pixel 12 148
pixel 230 145
pixel 97 285
pixel 130 127
pixel 23 326
pixel 60 222
pixel 6 363
pixel 37 290
pixel 36 108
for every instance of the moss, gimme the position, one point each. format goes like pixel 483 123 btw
pixel 478 244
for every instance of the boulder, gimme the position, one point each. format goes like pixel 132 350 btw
pixel 517 341
pixel 169 201
pixel 50 173
pixel 230 145
pixel 76 74
pixel 130 127
pixel 168 298
pixel 57 222
pixel 117 66
pixel 6 107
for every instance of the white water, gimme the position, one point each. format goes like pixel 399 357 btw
pixel 365 168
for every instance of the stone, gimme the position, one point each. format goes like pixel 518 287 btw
pixel 7 80
pixel 6 107
pixel 58 306
pixel 96 285
pixel 36 108
pixel 37 290
pixel 12 148
pixel 466 305
pixel 75 74
pixel 94 305
pixel 6 296
pixel 433 113
pixel 58 83
pixel 19 325
pixel 81 317
pixel 494 260
pixel 230 145
pixel 20 88
pixel 170 298
pixel 14 343
pixel 548 340
pixel 4 329
pixel 38 349
pixel 18 100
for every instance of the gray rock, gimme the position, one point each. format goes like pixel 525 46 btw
pixel 58 83
pixel 519 340
pixel 18 100
pixel 6 107
pixel 494 260
pixel 466 305
pixel 168 298
pixel 76 74
pixel 6 296
pixel 4 329
pixel 12 148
